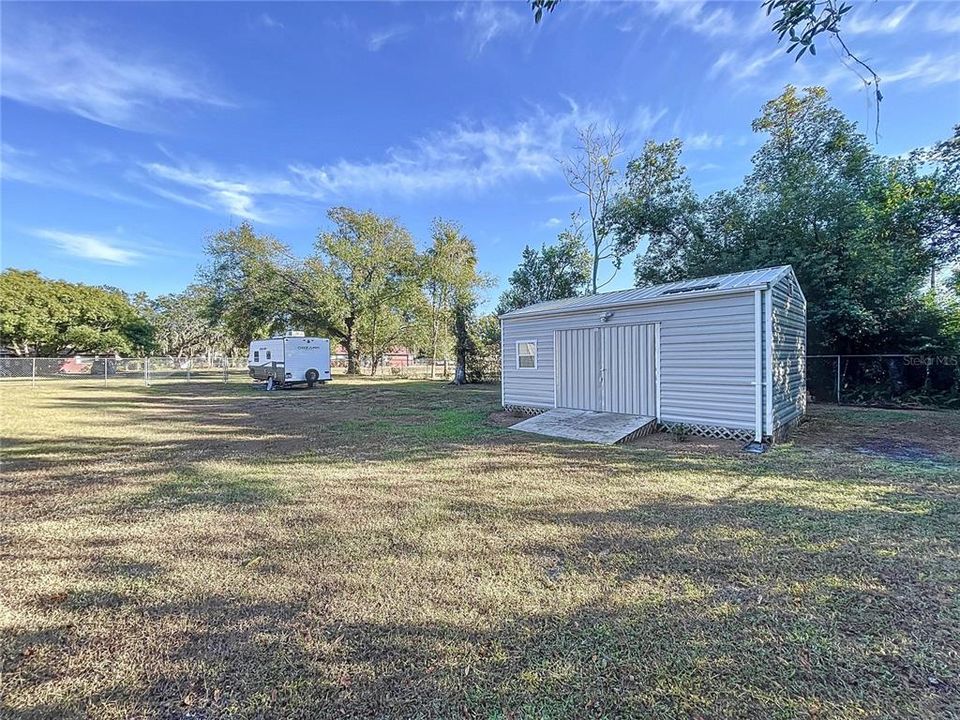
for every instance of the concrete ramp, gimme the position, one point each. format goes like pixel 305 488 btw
pixel 588 425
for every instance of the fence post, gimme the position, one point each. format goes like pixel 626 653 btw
pixel 838 379
pixel 33 373
pixel 146 371
pixel 226 369
pixel 104 371
pixel 189 365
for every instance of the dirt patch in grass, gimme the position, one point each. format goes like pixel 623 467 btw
pixel 504 419
pixel 899 450
pixel 391 550
pixel 930 434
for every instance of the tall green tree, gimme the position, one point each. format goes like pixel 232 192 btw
pixel 183 325
pixel 256 286
pixel 657 203
pixel 553 272
pixel 56 318
pixel 862 231
pixel 450 275
pixel 368 278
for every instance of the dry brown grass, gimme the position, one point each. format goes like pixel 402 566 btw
pixel 382 549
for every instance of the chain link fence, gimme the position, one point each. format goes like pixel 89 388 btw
pixel 895 380
pixel 156 370
pixel 106 370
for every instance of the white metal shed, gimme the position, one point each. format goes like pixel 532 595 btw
pixel 722 356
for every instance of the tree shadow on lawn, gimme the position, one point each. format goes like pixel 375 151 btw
pixel 729 614
pixel 732 606
pixel 173 432
pixel 710 612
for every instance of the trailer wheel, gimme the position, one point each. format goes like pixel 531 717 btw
pixel 312 376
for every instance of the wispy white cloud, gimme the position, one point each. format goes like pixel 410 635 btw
pixel 641 123
pixel 943 21
pixel 268 21
pixel 60 69
pixel 233 192
pixel 378 38
pixel 703 141
pixel 738 66
pixel 553 222
pixel 870 20
pixel 925 70
pixel 700 17
pixel 90 247
pixel 485 21
pixel 176 197
pixel 70 174
pixel 466 157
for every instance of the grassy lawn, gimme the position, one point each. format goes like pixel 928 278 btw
pixel 387 549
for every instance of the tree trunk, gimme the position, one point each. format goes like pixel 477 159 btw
pixel 596 266
pixel 353 352
pixel 433 346
pixel 596 251
pixel 464 344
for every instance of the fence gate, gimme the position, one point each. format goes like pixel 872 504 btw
pixel 609 369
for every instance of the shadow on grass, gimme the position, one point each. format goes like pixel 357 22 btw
pixel 175 430
pixel 674 652
pixel 194 489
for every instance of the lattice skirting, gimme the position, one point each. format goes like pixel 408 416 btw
pixel 716 431
pixel 525 409
pixel 648 429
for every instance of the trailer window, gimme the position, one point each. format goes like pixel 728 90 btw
pixel 268 354
pixel 527 355
pixel 256 356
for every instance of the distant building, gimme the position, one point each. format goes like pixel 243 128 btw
pixel 398 357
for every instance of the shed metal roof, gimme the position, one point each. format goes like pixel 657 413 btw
pixel 683 289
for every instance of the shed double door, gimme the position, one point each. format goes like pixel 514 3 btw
pixel 610 369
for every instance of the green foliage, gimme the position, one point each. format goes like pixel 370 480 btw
pixel 365 286
pixel 538 7
pixel 553 272
pixel 368 278
pixel 57 318
pixel 465 347
pixel 255 287
pixel 450 278
pixel 805 20
pixel 862 231
pixel 182 323
pixel 656 202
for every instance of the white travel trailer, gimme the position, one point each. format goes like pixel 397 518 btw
pixel 290 358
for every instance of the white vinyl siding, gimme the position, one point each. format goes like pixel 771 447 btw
pixel 706 356
pixel 789 351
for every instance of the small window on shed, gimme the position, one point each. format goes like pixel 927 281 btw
pixel 256 356
pixel 268 354
pixel 527 355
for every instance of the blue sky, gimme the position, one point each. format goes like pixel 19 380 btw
pixel 132 131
